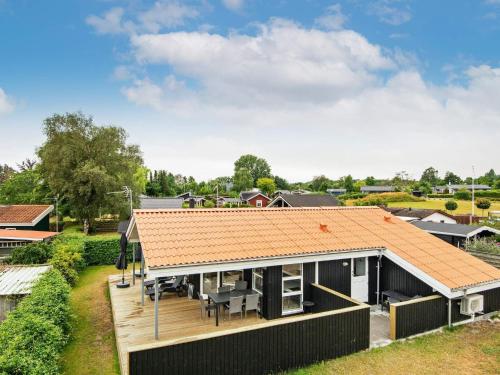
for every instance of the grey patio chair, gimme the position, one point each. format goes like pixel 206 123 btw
pixel 205 306
pixel 240 285
pixel 235 306
pixel 252 304
pixel 224 289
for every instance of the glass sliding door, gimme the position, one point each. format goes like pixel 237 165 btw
pixel 291 288
pixel 230 277
pixel 210 282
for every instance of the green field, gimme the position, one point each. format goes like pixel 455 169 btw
pixel 472 349
pixel 464 207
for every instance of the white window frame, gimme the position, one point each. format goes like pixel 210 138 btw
pixel 289 294
pixel 258 203
pixel 254 275
pixel 202 286
pixel 221 276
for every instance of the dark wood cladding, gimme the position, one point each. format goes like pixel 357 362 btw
pixel 372 280
pixel 419 317
pixel 261 350
pixel 325 301
pixel 308 276
pixel 393 277
pixel 491 300
pixel 334 275
pixel 271 302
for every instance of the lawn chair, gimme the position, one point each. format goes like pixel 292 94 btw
pixel 205 306
pixel 241 285
pixel 175 287
pixel 224 289
pixel 252 304
pixel 234 306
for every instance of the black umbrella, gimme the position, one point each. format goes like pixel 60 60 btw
pixel 121 261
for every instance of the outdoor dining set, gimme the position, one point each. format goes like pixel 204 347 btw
pixel 233 301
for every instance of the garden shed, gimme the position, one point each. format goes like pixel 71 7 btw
pixel 15 283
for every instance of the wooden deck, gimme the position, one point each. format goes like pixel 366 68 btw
pixel 179 318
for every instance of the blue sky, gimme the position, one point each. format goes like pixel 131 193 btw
pixel 316 87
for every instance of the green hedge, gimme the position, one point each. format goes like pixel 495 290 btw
pixel 384 198
pixel 487 194
pixel 353 195
pixel 440 196
pixel 103 251
pixel 33 253
pixel 34 334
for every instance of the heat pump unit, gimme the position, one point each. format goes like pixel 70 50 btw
pixel 471 304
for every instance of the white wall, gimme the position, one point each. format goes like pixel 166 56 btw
pixel 439 218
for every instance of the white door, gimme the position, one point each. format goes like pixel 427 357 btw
pixel 359 279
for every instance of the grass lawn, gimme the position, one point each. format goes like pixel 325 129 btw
pixel 471 349
pixel 464 207
pixel 92 349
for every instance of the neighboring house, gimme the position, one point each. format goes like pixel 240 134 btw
pixel 15 283
pixel 25 217
pixel 377 189
pixel 308 200
pixel 301 191
pixel 413 214
pixel 155 203
pixel 254 198
pixel 456 234
pixel 452 189
pixel 12 238
pixel 279 192
pixel 329 262
pixel 234 202
pixel 336 192
pixel 185 195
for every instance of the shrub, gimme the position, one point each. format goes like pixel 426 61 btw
pixel 384 198
pixel 451 205
pixel 209 204
pixel 463 195
pixel 99 251
pixel 68 257
pixel 488 193
pixel 33 335
pixel 444 196
pixel 351 196
pixel 34 253
pixel 483 204
pixel 484 245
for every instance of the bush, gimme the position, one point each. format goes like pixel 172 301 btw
pixel 103 251
pixel 488 194
pixel 451 205
pixel 351 196
pixel 384 198
pixel 68 257
pixel 33 336
pixel 209 204
pixel 484 245
pixel 444 196
pixel 463 195
pixel 34 253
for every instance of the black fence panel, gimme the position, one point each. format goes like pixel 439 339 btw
pixel 261 350
pixel 326 301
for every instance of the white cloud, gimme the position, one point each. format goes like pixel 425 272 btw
pixel 109 23
pixel 6 104
pixel 311 102
pixel 392 12
pixel 282 63
pixel 233 5
pixel 333 19
pixel 166 14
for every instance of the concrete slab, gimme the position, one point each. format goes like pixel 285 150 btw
pixel 379 329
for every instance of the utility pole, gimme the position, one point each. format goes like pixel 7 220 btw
pixel 472 202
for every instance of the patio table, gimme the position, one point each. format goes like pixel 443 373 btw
pixel 222 298
pixel 394 296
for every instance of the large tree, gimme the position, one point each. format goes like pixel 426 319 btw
pixel 281 183
pixel 266 185
pixel 430 175
pixel 26 187
pixel 257 167
pixel 451 178
pixel 242 179
pixel 83 162
pixel 5 172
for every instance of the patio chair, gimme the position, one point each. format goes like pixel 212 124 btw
pixel 224 289
pixel 252 304
pixel 241 285
pixel 205 306
pixel 175 287
pixel 234 306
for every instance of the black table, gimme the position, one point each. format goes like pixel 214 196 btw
pixel 394 295
pixel 222 298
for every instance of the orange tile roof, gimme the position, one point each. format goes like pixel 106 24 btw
pixel 34 235
pixel 21 214
pixel 194 236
